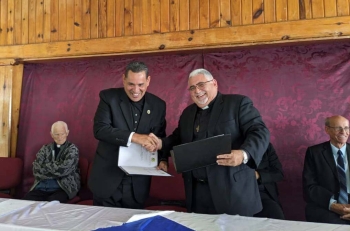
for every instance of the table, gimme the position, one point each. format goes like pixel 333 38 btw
pixel 22 215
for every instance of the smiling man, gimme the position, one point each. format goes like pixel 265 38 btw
pixel 326 179
pixel 55 168
pixel 124 116
pixel 230 186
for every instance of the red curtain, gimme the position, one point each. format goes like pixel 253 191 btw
pixel 294 87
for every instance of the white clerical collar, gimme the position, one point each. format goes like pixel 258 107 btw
pixel 206 107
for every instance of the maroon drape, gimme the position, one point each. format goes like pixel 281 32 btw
pixel 294 87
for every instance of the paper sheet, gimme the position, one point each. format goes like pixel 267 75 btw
pixel 136 160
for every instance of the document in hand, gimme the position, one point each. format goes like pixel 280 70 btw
pixel 136 160
pixel 201 153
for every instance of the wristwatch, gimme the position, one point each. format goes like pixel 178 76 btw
pixel 245 157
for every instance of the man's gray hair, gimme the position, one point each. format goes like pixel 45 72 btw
pixel 202 71
pixel 59 123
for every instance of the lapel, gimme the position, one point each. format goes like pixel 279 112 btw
pixel 126 109
pixel 215 114
pixel 328 155
pixel 146 117
pixel 348 155
pixel 189 123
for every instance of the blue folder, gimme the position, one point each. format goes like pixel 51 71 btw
pixel 149 224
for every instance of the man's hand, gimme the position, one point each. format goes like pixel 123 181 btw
pixel 257 175
pixel 146 141
pixel 163 165
pixel 235 158
pixel 157 140
pixel 341 209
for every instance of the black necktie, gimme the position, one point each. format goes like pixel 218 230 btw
pixel 343 192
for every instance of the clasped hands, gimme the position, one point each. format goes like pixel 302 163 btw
pixel 152 143
pixel 342 209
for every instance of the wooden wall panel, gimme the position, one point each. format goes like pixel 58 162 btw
pixel 236 12
pixel 47 16
pixel 317 8
pixel 258 15
pixel 184 15
pixel 146 27
pixel 343 7
pixel 18 19
pixel 102 18
pixel 330 8
pixel 5 112
pixel 174 15
pixel 94 19
pixel 70 19
pixel 62 19
pixel 194 16
pixel 39 21
pixel 164 16
pixel 270 11
pixel 110 18
pixel 155 16
pixel 53 21
pixel 214 13
pixel 225 13
pixel 128 18
pixel 247 12
pixel 203 14
pixel 10 21
pixel 293 10
pixel 86 19
pixel 3 22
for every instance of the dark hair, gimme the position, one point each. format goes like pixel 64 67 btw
pixel 136 67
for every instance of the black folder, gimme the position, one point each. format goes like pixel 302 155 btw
pixel 200 153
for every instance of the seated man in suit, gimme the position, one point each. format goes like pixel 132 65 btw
pixel 267 174
pixel 326 180
pixel 55 168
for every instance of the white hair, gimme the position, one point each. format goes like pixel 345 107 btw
pixel 202 71
pixel 59 123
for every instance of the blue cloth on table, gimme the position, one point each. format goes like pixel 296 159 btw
pixel 149 224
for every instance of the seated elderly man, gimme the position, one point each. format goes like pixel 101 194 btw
pixel 55 168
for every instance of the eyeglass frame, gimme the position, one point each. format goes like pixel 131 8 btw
pixel 199 85
pixel 340 129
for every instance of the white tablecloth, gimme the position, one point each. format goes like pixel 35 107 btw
pixel 55 216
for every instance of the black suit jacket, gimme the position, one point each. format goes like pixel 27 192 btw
pixel 113 124
pixel 234 190
pixel 270 171
pixel 320 176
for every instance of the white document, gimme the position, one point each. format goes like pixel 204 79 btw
pixel 136 160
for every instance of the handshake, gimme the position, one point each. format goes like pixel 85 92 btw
pixel 151 142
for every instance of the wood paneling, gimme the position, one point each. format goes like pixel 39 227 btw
pixel 5 104
pixel 38 21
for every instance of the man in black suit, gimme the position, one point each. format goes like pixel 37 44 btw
pixel 230 185
pixel 124 116
pixel 267 174
pixel 326 180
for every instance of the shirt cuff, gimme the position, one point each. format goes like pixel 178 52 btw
pixel 129 140
pixel 331 201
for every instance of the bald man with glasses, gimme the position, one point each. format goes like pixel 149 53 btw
pixel 326 179
pixel 230 185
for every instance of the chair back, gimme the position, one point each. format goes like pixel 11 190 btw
pixel 10 172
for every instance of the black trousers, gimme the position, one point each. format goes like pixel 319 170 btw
pixel 39 195
pixel 123 197
pixel 201 199
pixel 271 209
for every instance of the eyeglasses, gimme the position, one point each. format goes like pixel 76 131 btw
pixel 339 129
pixel 199 85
